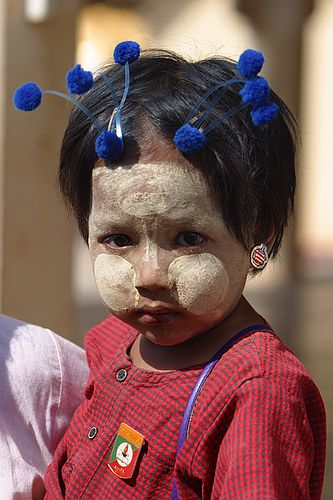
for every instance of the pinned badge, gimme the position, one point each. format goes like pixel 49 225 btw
pixel 125 451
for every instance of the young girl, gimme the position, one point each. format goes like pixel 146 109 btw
pixel 187 189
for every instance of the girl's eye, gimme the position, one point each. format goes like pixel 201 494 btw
pixel 189 239
pixel 118 241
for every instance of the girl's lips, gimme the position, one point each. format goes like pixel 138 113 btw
pixel 154 317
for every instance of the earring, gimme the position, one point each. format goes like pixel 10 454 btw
pixel 259 256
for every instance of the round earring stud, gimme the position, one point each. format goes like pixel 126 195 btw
pixel 259 256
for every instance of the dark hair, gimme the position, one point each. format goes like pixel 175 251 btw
pixel 250 170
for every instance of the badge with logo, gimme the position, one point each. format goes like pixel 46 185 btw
pixel 125 451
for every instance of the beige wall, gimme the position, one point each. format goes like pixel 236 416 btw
pixel 35 281
pixel 315 233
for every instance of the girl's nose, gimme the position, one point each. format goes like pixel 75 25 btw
pixel 152 274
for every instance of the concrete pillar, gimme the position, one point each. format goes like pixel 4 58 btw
pixel 35 248
pixel 278 27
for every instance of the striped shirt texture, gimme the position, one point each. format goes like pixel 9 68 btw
pixel 257 431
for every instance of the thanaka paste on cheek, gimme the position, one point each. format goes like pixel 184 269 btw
pixel 199 283
pixel 115 278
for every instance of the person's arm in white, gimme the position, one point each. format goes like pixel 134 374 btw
pixel 42 377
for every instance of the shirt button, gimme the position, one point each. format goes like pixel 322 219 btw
pixel 92 433
pixel 121 375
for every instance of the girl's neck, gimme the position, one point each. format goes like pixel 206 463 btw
pixel 197 350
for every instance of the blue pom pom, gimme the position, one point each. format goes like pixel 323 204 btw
pixel 108 146
pixel 126 52
pixel 78 80
pixel 255 91
pixel 263 114
pixel 27 97
pixel 250 63
pixel 189 139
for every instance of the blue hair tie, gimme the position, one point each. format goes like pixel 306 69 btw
pixel 190 137
pixel 27 97
pixel 250 63
pixel 107 147
pixel 126 52
pixel 109 144
pixel 265 113
pixel 78 80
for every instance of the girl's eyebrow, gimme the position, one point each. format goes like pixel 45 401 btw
pixel 196 219
pixel 123 221
pixel 111 222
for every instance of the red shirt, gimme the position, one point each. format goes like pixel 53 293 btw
pixel 257 430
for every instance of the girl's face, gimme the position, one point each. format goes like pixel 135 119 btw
pixel 164 261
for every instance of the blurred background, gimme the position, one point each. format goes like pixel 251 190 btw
pixel 45 274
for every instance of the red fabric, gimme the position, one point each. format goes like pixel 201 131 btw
pixel 257 432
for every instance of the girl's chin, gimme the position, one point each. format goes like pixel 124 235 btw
pixel 166 336
pixel 169 328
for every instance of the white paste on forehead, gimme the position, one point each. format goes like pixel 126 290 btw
pixel 115 278
pixel 145 190
pixel 198 282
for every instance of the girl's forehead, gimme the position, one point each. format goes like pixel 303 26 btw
pixel 151 183
pixel 148 172
pixel 153 195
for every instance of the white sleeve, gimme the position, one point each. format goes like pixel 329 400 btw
pixel 73 377
pixel 42 377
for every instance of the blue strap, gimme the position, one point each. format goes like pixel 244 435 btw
pixel 198 386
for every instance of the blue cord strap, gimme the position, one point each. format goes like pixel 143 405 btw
pixel 198 386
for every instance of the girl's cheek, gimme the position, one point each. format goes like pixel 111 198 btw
pixel 115 280
pixel 199 283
